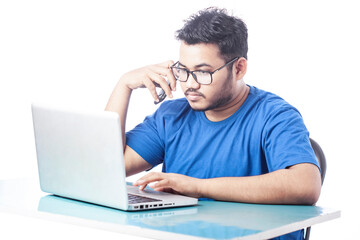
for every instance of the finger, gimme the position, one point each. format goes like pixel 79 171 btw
pixel 163 69
pixel 170 75
pixel 149 84
pixel 160 69
pixel 162 184
pixel 140 183
pixel 172 80
pixel 162 82
pixel 167 64
pixel 142 187
pixel 149 178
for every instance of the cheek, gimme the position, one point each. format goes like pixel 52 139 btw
pixel 211 91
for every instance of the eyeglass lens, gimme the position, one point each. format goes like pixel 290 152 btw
pixel 202 77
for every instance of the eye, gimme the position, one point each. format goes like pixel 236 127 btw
pixel 180 73
pixel 181 70
pixel 202 73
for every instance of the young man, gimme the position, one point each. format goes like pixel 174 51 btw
pixel 226 140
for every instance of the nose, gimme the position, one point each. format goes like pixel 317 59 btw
pixel 191 83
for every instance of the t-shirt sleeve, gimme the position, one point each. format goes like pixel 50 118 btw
pixel 146 141
pixel 286 140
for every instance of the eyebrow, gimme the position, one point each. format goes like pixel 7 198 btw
pixel 197 66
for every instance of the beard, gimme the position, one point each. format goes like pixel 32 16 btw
pixel 224 97
pixel 219 102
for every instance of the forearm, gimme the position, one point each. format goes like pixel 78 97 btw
pixel 149 77
pixel 119 102
pixel 280 187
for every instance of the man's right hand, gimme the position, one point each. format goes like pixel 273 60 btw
pixel 150 77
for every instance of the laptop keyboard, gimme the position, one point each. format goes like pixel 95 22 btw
pixel 140 199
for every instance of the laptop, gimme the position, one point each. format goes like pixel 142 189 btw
pixel 80 156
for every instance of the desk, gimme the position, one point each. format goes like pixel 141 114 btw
pixel 207 220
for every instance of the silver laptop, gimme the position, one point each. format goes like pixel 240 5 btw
pixel 80 156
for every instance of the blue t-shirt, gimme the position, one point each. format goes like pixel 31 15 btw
pixel 264 135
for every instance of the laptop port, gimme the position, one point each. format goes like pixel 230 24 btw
pixel 141 206
pixel 155 205
pixel 146 206
pixel 160 205
pixel 136 207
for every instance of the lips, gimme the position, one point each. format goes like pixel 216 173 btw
pixel 193 96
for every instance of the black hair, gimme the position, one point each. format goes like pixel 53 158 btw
pixel 214 25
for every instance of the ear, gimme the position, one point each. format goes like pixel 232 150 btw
pixel 240 67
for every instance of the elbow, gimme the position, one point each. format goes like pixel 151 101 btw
pixel 308 193
pixel 302 195
pixel 310 196
pixel 306 186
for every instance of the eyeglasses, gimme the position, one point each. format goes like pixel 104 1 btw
pixel 201 77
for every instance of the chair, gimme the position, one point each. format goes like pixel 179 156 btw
pixel 322 162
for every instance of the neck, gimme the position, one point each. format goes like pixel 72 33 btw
pixel 219 114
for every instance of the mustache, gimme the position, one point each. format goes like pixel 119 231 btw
pixel 192 90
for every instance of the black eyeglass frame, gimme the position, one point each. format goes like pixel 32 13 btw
pixel 194 75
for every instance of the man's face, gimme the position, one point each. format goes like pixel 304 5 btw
pixel 206 57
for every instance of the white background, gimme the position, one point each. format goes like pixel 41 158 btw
pixel 72 53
